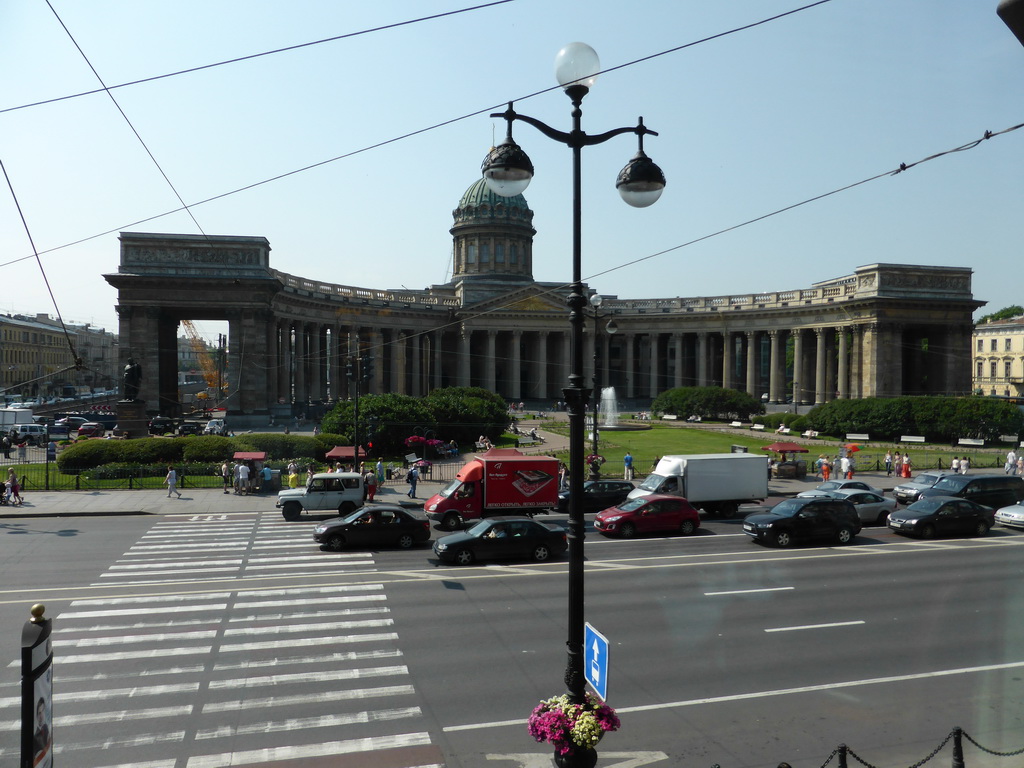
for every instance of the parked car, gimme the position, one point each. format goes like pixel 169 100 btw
pixel 374 526
pixel 827 487
pixel 191 428
pixel 502 537
pixel 907 493
pixel 91 429
pixel 872 508
pixel 597 495
pixel 33 434
pixel 656 513
pixel 161 425
pixel 1011 516
pixel 993 491
pixel 801 519
pixel 72 422
pixel 216 427
pixel 942 516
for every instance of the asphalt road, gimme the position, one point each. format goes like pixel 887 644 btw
pixel 216 639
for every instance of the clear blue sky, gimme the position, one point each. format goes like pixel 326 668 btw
pixel 749 123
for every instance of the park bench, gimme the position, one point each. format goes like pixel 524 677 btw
pixel 854 437
pixel 1008 438
pixel 810 434
pixel 736 424
pixel 757 427
pixel 669 417
pixel 911 438
pixel 971 442
pixel 525 440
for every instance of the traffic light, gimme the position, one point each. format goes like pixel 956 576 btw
pixel 368 368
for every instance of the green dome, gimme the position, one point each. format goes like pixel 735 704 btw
pixel 479 195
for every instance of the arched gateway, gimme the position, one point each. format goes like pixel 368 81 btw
pixel 885 330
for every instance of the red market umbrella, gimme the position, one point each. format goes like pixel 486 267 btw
pixel 785 448
pixel 852 447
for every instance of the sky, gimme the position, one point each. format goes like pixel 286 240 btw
pixel 750 123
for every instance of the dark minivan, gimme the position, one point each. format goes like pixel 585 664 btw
pixel 793 520
pixel 988 490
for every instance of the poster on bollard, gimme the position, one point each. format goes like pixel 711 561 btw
pixel 37 692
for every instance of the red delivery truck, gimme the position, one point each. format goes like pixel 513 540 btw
pixel 502 481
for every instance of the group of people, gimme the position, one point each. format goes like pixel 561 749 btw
pixel 12 488
pixel 838 466
pixel 960 465
pixel 1014 464
pixel 898 464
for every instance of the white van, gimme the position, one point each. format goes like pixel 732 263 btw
pixel 216 427
pixel 33 434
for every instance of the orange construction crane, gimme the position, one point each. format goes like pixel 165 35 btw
pixel 202 353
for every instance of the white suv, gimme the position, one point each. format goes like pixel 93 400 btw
pixel 342 491
pixel 33 434
pixel 216 427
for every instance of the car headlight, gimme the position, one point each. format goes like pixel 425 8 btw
pixel 432 507
pixel 613 519
pixel 320 529
pixel 439 547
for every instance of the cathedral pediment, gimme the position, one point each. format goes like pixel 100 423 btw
pixel 537 298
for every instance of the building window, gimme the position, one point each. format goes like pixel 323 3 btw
pixel 499 253
pixel 485 253
pixel 980 370
pixel 981 345
pixel 513 254
pixel 992 369
pixel 992 345
pixel 1007 365
pixel 1008 345
pixel 471 254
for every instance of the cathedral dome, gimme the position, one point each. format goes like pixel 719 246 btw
pixel 479 200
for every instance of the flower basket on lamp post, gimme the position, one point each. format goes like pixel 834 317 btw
pixel 572 729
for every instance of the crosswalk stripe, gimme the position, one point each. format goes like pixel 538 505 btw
pixel 307 641
pixel 309 677
pixel 304 698
pixel 251 757
pixel 324 721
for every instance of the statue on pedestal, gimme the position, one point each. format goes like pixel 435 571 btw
pixel 132 379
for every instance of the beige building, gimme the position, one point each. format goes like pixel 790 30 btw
pixel 36 358
pixel 884 330
pixel 999 358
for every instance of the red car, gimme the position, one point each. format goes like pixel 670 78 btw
pixel 91 429
pixel 656 513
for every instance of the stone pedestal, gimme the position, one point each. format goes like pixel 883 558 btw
pixel 131 418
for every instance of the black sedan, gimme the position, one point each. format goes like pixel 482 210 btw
pixel 383 525
pixel 598 495
pixel 502 538
pixel 942 516
pixel 191 428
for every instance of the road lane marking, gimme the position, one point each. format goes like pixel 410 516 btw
pixel 816 626
pixel 769 694
pixel 748 591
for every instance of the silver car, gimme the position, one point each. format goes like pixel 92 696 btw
pixel 1011 516
pixel 907 493
pixel 872 507
pixel 826 488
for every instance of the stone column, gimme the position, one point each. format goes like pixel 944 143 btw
pixel 702 358
pixel 752 363
pixel 515 376
pixel 630 365
pixel 677 338
pixel 542 365
pixel 820 380
pixel 301 360
pixel 399 381
pixel 776 371
pixel 273 358
pixel 437 373
pixel 798 365
pixel 465 343
pixel 843 384
pixel 490 363
pixel 654 366
pixel 284 379
pixel 315 360
pixel 728 353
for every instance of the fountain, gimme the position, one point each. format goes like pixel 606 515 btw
pixel 608 410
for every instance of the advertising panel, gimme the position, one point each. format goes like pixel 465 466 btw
pixel 521 483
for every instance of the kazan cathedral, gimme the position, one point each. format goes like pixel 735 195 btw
pixel 885 330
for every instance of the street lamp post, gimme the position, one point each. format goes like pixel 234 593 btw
pixel 507 171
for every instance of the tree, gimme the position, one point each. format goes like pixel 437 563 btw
pixel 707 402
pixel 1003 314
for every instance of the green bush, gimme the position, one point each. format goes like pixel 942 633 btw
pixel 708 403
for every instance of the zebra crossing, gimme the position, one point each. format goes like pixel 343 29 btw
pixel 234 675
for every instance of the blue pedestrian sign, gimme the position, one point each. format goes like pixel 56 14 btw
pixel 595 660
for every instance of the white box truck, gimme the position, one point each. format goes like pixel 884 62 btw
pixel 9 417
pixel 715 482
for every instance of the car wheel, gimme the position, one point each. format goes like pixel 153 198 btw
pixel 883 518
pixel 927 531
pixel 450 521
pixel 541 553
pixel 336 543
pixel 844 535
pixel 345 507
pixel 783 539
pixel 687 528
pixel 405 541
pixel 981 528
pixel 728 510
pixel 464 557
pixel 291 510
pixel 627 531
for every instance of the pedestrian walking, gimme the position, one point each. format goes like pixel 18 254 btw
pixel 171 480
pixel 370 478
pixel 13 487
pixel 888 463
pixel 380 472
pixel 242 486
pixel 1010 467
pixel 225 475
pixel 907 465
pixel 826 468
pixel 897 463
pixel 411 478
pixel 627 463
pixel 965 464
pixel 954 465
